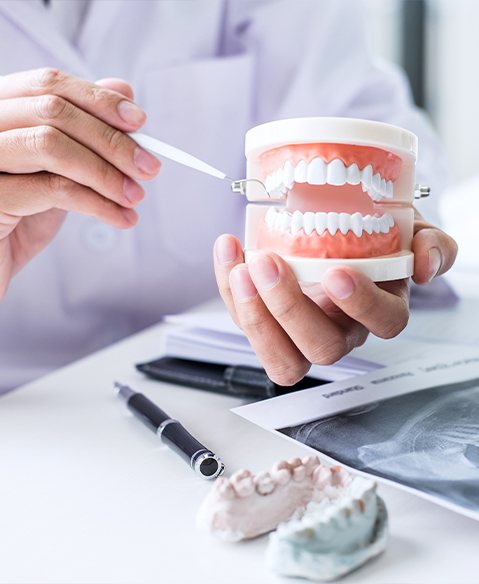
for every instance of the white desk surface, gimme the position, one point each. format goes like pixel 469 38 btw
pixel 88 495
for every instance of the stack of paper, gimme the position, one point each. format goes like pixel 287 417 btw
pixel 213 337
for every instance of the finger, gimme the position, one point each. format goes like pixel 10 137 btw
pixel 105 104
pixel 434 254
pixel 118 85
pixel 281 359
pixel 318 337
pixel 382 309
pixel 227 253
pixel 24 195
pixel 110 143
pixel 45 148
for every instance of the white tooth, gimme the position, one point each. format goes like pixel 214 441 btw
pixel 336 172
pixel 281 223
pixel 389 188
pixel 224 489
pixel 286 220
pixel 300 172
pixel 288 174
pixel 317 172
pixel 383 224
pixel 279 178
pixel 383 188
pixel 353 174
pixel 390 219
pixel 367 176
pixel 299 474
pixel 270 216
pixel 368 224
pixel 377 182
pixel 308 222
pixel 376 227
pixel 357 224
pixel 278 221
pixel 264 483
pixel 320 222
pixel 296 222
pixel 333 222
pixel 344 222
pixel 274 182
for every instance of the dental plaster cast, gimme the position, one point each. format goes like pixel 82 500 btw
pixel 331 538
pixel 328 522
pixel 339 192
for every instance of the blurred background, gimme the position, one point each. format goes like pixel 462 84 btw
pixel 437 43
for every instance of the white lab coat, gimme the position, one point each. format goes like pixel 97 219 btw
pixel 205 71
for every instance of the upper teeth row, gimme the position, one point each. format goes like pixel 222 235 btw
pixel 336 173
pixel 320 222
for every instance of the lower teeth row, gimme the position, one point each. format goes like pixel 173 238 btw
pixel 332 222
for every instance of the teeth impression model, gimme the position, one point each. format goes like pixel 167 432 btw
pixel 342 189
pixel 328 522
pixel 332 538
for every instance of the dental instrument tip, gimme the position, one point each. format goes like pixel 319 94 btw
pixel 239 186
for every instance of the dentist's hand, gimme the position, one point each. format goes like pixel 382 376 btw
pixel 291 326
pixel 63 148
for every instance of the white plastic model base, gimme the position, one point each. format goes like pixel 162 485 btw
pixel 381 269
pixel 339 191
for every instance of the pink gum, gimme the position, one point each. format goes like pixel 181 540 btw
pixel 387 163
pixel 329 246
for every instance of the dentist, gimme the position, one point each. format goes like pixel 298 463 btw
pixel 205 71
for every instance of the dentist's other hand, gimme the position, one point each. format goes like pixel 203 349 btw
pixel 291 326
pixel 63 147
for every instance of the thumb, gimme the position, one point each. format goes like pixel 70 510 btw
pixel 434 251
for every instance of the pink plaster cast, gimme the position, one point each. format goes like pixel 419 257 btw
pixel 248 505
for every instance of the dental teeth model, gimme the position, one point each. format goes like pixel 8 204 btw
pixel 328 522
pixel 331 538
pixel 340 192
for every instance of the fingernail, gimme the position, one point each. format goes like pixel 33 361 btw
pixel 339 284
pixel 130 215
pixel 435 262
pixel 130 113
pixel 132 190
pixel 242 285
pixel 146 162
pixel 265 272
pixel 226 251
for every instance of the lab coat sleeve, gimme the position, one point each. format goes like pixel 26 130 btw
pixel 311 57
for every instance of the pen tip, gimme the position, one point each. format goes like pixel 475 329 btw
pixel 123 390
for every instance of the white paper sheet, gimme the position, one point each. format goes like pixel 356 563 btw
pixel 413 424
pixel 213 337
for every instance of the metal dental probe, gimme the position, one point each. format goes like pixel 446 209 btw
pixel 182 157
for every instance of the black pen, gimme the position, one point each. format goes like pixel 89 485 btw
pixel 172 433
